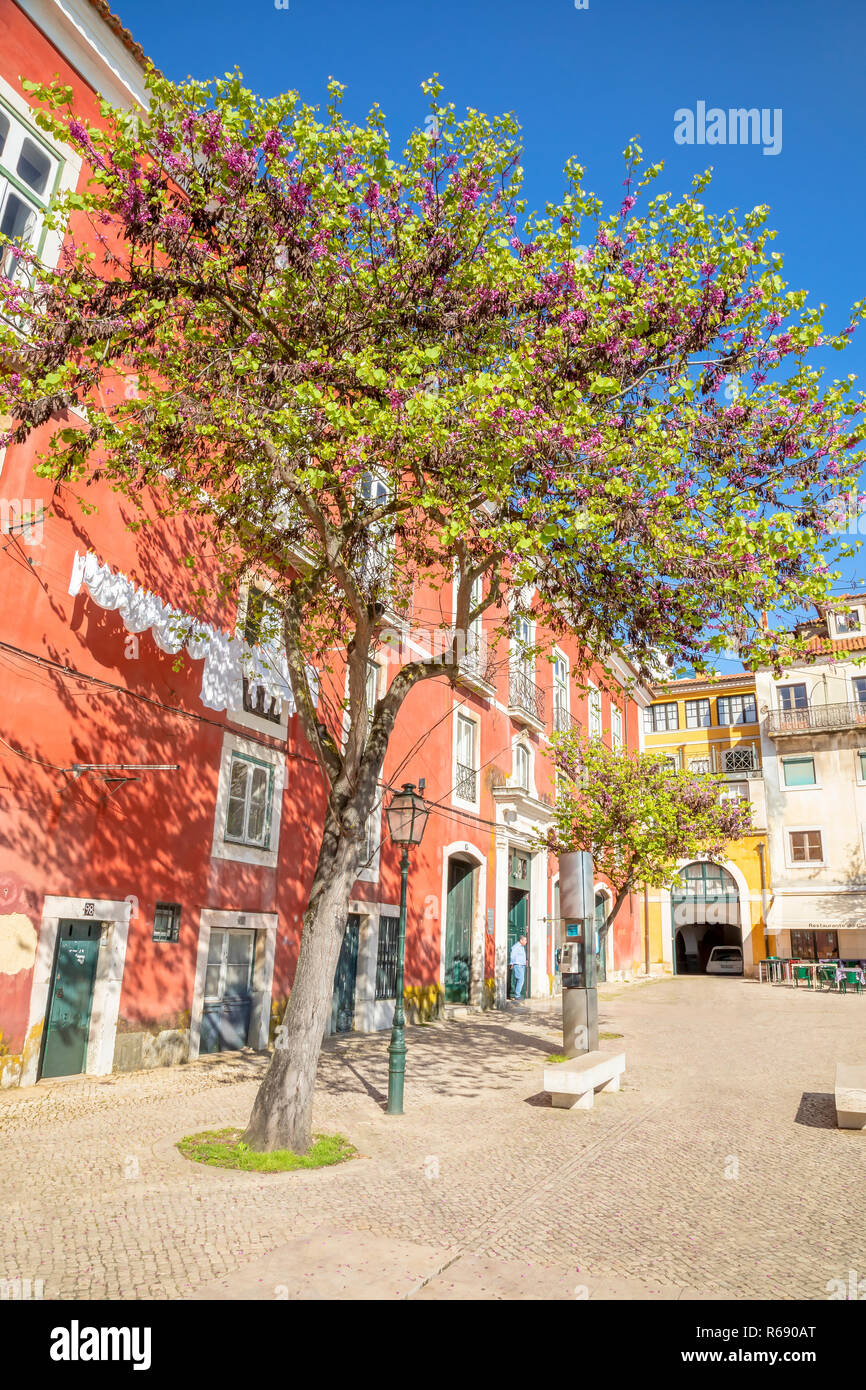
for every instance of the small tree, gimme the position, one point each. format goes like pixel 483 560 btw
pixel 363 371
pixel 638 816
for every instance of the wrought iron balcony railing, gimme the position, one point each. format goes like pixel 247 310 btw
pixel 525 696
pixel 564 721
pixel 467 780
pixel 816 719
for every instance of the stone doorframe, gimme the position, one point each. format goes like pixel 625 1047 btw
pixel 463 850
pixel 217 919
pixel 108 981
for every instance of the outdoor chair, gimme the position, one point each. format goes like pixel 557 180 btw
pixel 854 976
pixel 802 972
pixel 826 975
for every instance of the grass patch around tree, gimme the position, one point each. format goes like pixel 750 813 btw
pixel 557 1057
pixel 224 1148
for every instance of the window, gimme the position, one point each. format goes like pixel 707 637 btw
pixel 735 791
pixel 657 718
pixel 474 658
pixel 594 711
pixel 375 566
pixel 738 760
pixel 848 621
pixel 248 821
pixel 262 628
pixel 521 766
pixel 672 762
pixel 231 961
pixel 862 757
pixel 799 772
pixel 737 709
pixel 615 727
pixel 698 714
pixel 561 714
pixel 465 782
pixel 523 641
pixel 792 697
pixel 386 957
pixel 699 766
pixel 859 684
pixel 372 691
pixel 806 847
pixel 166 922
pixel 28 176
pixel 814 945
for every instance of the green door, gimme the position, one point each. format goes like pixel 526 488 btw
pixel 65 1052
pixel 458 931
pixel 518 925
pixel 600 940
pixel 343 1003
pixel 519 869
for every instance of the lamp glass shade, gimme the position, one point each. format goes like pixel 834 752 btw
pixel 407 816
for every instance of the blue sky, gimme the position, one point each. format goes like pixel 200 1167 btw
pixel 582 82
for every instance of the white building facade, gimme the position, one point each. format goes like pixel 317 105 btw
pixel 813 745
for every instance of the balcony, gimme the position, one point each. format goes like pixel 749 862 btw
pixel 526 701
pixel 564 722
pixel 475 671
pixel 817 719
pixel 466 784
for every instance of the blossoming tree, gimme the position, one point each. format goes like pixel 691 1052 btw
pixel 638 816
pixel 361 369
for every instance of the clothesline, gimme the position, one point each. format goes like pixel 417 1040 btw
pixel 227 658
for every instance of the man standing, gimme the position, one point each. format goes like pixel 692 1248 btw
pixel 518 965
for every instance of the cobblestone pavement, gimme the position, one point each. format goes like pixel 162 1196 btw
pixel 717 1171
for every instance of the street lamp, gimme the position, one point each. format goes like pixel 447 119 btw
pixel 407 817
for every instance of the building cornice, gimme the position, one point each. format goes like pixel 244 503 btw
pixel 95 43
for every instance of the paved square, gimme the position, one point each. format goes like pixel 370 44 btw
pixel 717 1171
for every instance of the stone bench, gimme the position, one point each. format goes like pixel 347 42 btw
pixel 850 1093
pixel 574 1083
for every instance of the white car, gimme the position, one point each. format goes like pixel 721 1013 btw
pixel 725 960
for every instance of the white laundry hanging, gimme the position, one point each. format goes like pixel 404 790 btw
pixel 226 659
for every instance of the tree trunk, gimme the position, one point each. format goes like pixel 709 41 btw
pixel 282 1112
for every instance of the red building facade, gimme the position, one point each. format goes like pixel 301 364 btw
pixel 159 807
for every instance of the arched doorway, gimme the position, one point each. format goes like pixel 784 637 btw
pixel 460 910
pixel 705 912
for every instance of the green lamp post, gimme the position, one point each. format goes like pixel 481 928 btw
pixel 407 817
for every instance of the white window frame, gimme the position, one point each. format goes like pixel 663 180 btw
pixel 246 718
pixel 66 179
pixel 742 697
pixel 858 767
pixel 462 713
pixel 370 872
pixel 840 628
pixel 699 700
pixel 791 685
pixel 855 699
pixel 665 705
pixel 253 765
pixel 221 848
pixel 521 746
pixel 793 863
pixel 561 695
pixel 616 728
pixel 593 712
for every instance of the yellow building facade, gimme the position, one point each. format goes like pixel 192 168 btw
pixel 705 727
